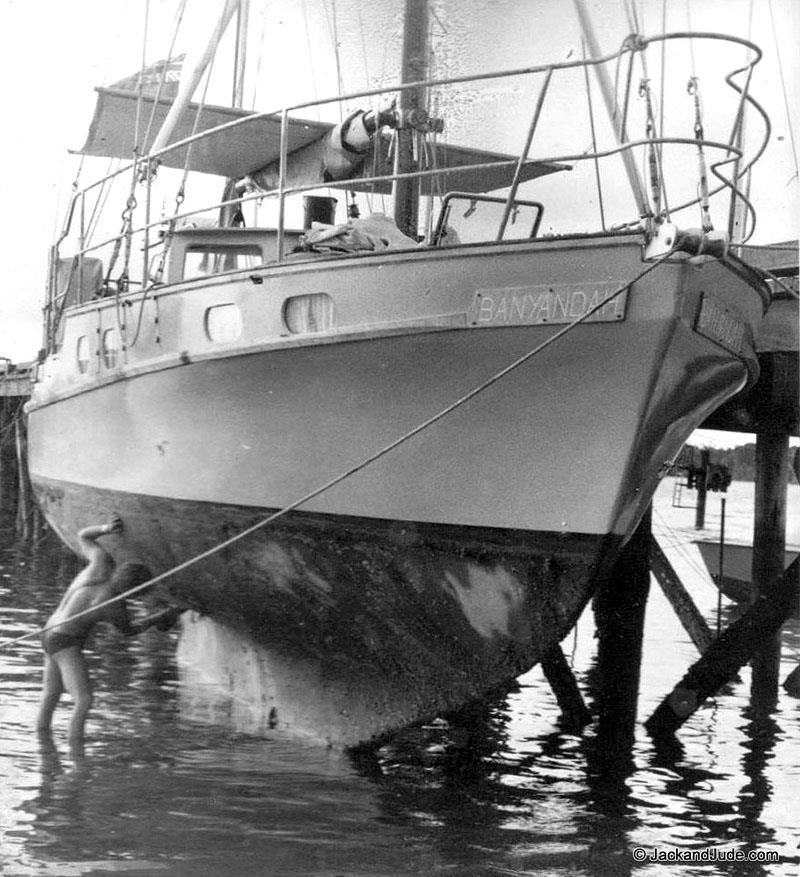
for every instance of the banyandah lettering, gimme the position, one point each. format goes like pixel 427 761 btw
pixel 557 303
pixel 719 324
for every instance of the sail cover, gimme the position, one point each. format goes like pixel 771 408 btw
pixel 237 151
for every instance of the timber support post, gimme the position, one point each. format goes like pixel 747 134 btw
pixel 619 614
pixel 574 712
pixel 769 546
pixel 682 604
pixel 17 508
pixel 726 656
pixel 702 489
pixel 22 482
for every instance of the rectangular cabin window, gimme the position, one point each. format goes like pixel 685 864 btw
pixel 205 259
pixel 468 218
pixel 303 314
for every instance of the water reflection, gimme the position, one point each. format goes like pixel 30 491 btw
pixel 497 789
pixel 759 737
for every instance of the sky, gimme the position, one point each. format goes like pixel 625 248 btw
pixel 53 53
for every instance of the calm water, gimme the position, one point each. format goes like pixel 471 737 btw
pixel 500 790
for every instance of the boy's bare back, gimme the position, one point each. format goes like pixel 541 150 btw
pixel 91 586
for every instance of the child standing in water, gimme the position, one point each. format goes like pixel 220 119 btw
pixel 63 640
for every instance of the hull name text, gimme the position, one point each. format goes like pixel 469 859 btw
pixel 543 303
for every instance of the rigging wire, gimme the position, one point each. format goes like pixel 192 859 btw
pixel 140 84
pixel 342 476
pixel 672 540
pixel 257 77
pixel 364 56
pixel 663 78
pixel 598 179
pixel 790 125
pixel 691 41
pixel 653 165
pixel 102 198
pixel 179 197
pixel 333 31
pixel 162 79
pixel 693 88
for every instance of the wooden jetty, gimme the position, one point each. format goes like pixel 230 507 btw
pixel 769 409
pixel 18 511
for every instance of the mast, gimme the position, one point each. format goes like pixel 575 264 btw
pixel 414 68
pixel 607 90
pixel 241 53
pixel 192 79
pixel 231 213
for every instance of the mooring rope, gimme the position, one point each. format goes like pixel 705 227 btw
pixel 475 391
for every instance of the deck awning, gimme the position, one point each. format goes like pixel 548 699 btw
pixel 243 149
pixel 232 152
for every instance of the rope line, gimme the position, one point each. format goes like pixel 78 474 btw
pixel 475 391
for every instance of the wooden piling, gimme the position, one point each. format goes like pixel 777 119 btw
pixel 15 492
pixel 17 507
pixel 769 546
pixel 22 498
pixel 619 613
pixel 702 490
pixel 3 420
pixel 8 458
pixel 727 655
pixel 574 712
pixel 682 604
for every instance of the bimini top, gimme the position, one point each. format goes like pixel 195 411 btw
pixel 237 151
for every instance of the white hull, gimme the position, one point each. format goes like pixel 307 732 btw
pixel 508 508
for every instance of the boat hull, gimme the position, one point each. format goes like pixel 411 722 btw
pixel 737 579
pixel 444 567
pixel 338 629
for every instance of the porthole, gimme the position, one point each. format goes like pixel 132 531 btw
pixel 308 313
pixel 82 354
pixel 110 348
pixel 223 323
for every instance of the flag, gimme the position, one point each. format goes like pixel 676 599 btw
pixel 150 77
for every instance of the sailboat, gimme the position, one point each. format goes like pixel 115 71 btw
pixel 435 432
